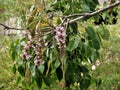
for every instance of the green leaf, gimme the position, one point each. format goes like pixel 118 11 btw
pixel 104 32
pixel 57 64
pixel 21 70
pixel 85 8
pixel 20 62
pixel 33 70
pixel 73 44
pixel 13 54
pixel 59 73
pixel 18 80
pixel 98 82
pixel 94 56
pixel 14 68
pixel 58 21
pixel 41 68
pixel 85 83
pixel 89 51
pixel 24 84
pixel 74 27
pixel 90 31
pixel 96 44
pixel 83 69
pixel 48 80
pixel 38 79
pixel 57 87
pixel 84 49
pixel 104 15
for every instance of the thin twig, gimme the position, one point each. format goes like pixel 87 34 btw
pixel 88 15
pixel 74 15
pixel 7 27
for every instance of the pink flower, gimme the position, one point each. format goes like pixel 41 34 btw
pixel 25 55
pixel 59 28
pixel 37 52
pixel 26 47
pixel 28 57
pixel 58 33
pixel 26 32
pixel 38 62
pixel 64 34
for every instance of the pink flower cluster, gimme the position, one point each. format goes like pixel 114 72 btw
pixel 25 54
pixel 33 43
pixel 60 36
pixel 38 58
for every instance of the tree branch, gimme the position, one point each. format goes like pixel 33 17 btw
pixel 7 27
pixel 79 16
pixel 88 15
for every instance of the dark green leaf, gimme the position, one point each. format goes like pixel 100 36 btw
pixel 59 73
pixel 95 44
pixel 83 69
pixel 38 80
pixel 21 70
pixel 48 80
pixel 74 27
pixel 84 49
pixel 85 83
pixel 90 31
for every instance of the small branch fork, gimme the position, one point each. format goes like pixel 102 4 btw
pixel 79 16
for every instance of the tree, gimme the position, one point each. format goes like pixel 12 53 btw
pixel 58 44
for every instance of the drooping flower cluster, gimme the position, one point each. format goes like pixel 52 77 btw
pixel 38 58
pixel 60 36
pixel 31 45
pixel 25 53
